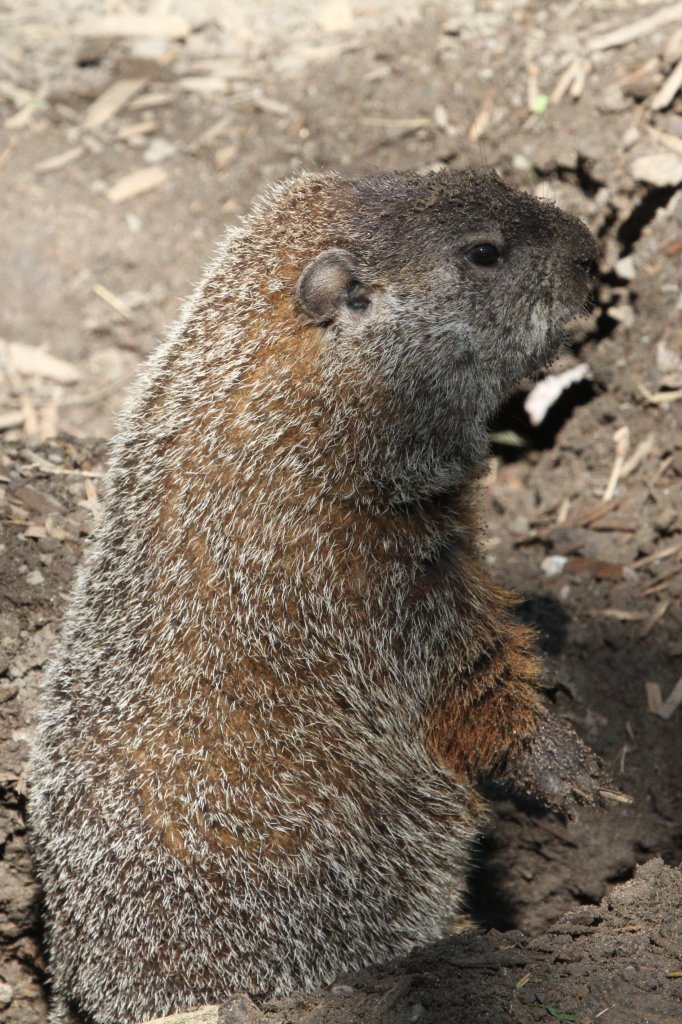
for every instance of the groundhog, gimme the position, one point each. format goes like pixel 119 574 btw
pixel 285 666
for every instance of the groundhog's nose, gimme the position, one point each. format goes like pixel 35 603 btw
pixel 588 265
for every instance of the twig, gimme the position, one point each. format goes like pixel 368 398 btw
pixel 482 120
pixel 660 397
pixel 655 617
pixel 640 453
pixel 622 439
pixel 669 90
pixel 113 300
pixel 637 29
pixel 657 556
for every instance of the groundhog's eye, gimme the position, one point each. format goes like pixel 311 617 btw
pixel 355 297
pixel 485 254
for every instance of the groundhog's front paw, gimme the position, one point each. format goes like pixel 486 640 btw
pixel 558 769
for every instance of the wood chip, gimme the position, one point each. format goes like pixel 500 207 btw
pixel 334 15
pixel 654 697
pixel 31 427
pixel 11 420
pixel 202 1015
pixel 270 106
pixel 206 84
pixel 636 29
pixel 113 99
pixel 617 798
pixel 224 156
pixel 662 170
pixel 7 151
pixel 113 300
pixel 673 142
pixel 36 531
pixel 91 496
pixel 622 441
pixel 151 100
pixel 48 421
pixel 657 556
pixel 136 183
pixel 594 513
pixel 409 123
pixel 669 90
pixel 25 114
pixel 54 530
pixel 55 163
pixel 562 513
pixel 32 361
pixel 21 118
pixel 168 27
pixel 655 617
pixel 51 470
pixel 619 614
pixel 661 584
pixel 600 570
pixel 482 120
pixel 578 85
pixel 666 708
pixel 128 131
pixel 641 452
pixel 565 81
pixel 659 397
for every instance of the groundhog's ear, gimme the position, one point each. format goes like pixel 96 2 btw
pixel 330 282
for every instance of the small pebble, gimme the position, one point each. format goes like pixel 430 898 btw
pixel 6 995
pixel 342 990
pixel 520 162
pixel 553 565
pixel 625 268
pixel 35 578
pixel 519 526
pixel 158 150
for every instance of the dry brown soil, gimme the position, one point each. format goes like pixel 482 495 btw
pixel 253 93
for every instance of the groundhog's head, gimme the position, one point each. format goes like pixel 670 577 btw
pixel 444 273
pixel 378 322
pixel 439 294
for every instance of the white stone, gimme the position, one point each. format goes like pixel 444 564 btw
pixel 553 565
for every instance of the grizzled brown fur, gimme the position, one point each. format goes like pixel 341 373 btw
pixel 285 666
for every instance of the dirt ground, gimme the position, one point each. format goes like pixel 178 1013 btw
pixel 583 511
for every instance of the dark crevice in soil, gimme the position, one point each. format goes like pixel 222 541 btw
pixel 486 903
pixel 513 417
pixel 622 876
pixel 642 214
pixel 608 222
pixel 585 900
pixel 580 175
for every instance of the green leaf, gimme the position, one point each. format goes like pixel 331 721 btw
pixel 558 1014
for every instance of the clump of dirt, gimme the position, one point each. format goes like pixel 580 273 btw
pixel 618 959
pixel 583 508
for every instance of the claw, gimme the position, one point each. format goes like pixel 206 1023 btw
pixel 559 770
